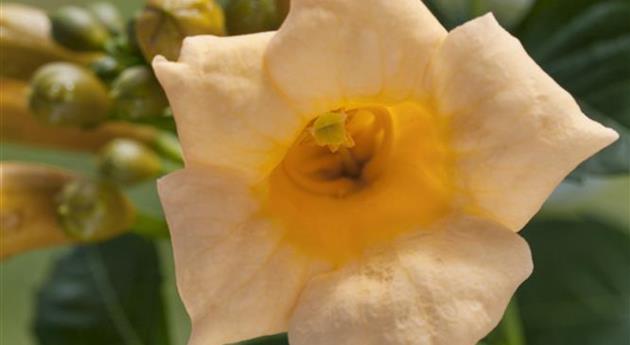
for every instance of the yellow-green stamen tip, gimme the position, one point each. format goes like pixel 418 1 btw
pixel 329 129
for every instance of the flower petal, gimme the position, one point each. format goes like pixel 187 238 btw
pixel 446 287
pixel 516 131
pixel 235 276
pixel 330 51
pixel 227 112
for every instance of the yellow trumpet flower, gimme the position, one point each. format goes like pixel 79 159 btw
pixel 394 221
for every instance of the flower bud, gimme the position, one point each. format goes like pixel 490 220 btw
pixel 108 15
pixel 138 95
pixel 250 16
pixel 68 95
pixel 163 24
pixel 93 210
pixel 78 29
pixel 106 68
pixel 27 209
pixel 168 146
pixel 25 42
pixel 126 161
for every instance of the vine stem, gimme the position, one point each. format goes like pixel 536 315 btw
pixel 512 325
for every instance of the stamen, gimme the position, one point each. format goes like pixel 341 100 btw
pixel 329 129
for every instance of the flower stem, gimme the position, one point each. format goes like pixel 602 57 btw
pixel 509 331
pixel 512 325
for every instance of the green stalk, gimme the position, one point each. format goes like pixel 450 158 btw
pixel 150 226
pixel 512 325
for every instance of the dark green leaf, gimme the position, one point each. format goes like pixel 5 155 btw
pixel 452 13
pixel 570 23
pixel 612 99
pixel 579 292
pixel 593 68
pixel 104 294
pixel 448 13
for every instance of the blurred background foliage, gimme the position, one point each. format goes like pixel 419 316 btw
pixel 122 291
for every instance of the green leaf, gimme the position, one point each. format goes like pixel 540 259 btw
pixel 604 199
pixel 579 292
pixel 103 294
pixel 452 13
pixel 556 22
pixel 585 46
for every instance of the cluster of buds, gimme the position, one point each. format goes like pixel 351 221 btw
pixel 118 84
pixel 86 75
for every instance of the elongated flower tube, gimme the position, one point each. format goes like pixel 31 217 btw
pixel 359 176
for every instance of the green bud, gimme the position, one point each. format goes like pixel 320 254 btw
pixel 138 95
pixel 126 161
pixel 68 95
pixel 123 50
pixel 168 146
pixel 250 16
pixel 25 42
pixel 106 68
pixel 92 211
pixel 163 24
pixel 108 15
pixel 27 209
pixel 78 29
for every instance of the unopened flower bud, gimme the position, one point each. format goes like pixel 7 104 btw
pixel 163 24
pixel 78 29
pixel 108 15
pixel 250 16
pixel 126 161
pixel 168 146
pixel 25 42
pixel 106 68
pixel 67 94
pixel 27 212
pixel 93 210
pixel 138 95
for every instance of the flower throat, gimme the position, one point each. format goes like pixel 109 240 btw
pixel 357 177
pixel 340 152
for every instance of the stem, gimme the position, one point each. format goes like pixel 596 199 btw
pixel 150 226
pixel 513 326
pixel 509 331
pixel 475 8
